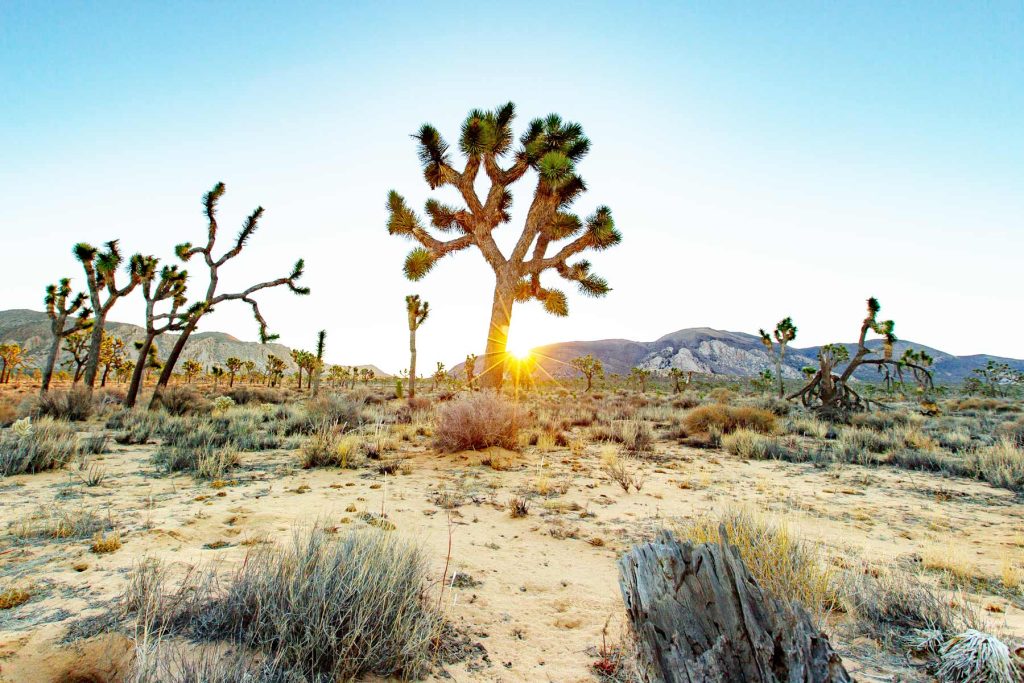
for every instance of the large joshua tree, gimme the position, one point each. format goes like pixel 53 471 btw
pixel 60 306
pixel 101 278
pixel 551 148
pixel 785 332
pixel 417 311
pixel 211 298
pixel 829 393
pixel 168 286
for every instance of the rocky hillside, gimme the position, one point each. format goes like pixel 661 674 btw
pixel 31 329
pixel 707 351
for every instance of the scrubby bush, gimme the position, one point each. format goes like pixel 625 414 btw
pixel 722 395
pixel 635 435
pixel 59 523
pixel 477 420
pixel 35 446
pixel 1000 465
pixel 73 405
pixel 727 419
pixel 205 461
pixel 754 446
pixel 246 395
pixel 784 564
pixel 326 447
pixel 686 400
pixel 334 408
pixel 323 608
pixel 182 401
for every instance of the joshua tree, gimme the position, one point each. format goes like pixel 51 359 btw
pixel 829 393
pixel 299 358
pixel 590 367
pixel 216 372
pixel 367 374
pixel 169 286
pixel 101 277
pixel 195 313
pixel 916 360
pixel 191 368
pixel 275 369
pixel 233 365
pixel 10 358
pixel 77 344
pixel 61 305
pixel 470 366
pixel 418 312
pixel 124 371
pixel 250 369
pixel 550 147
pixel 440 375
pixel 680 379
pixel 337 374
pixel 321 342
pixel 640 376
pixel 111 355
pixel 149 359
pixel 785 332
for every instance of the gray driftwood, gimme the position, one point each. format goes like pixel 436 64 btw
pixel 700 617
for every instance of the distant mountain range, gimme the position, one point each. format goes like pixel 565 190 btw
pixel 707 351
pixel 31 330
pixel 698 349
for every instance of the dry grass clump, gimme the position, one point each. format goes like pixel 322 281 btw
pixel 809 426
pixel 621 471
pixel 36 446
pixel 635 435
pixel 13 597
pixel 179 400
pixel 727 419
pixel 722 395
pixel 686 400
pixel 105 543
pixel 74 405
pixel 477 421
pixel 784 564
pixel 57 523
pixel 327 448
pixel 8 410
pixel 896 606
pixel 204 461
pixel 754 446
pixel 1001 464
pixel 323 608
pixel 346 411
pixel 243 395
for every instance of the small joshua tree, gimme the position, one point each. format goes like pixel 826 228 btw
pixel 233 365
pixel 60 306
pixel 417 311
pixel 680 379
pixel 169 285
pixel 590 367
pixel 275 369
pixel 830 393
pixel 217 373
pixel 440 375
pixel 212 298
pixel 191 368
pixel 318 366
pixel 470 366
pixel 10 358
pixel 640 376
pixel 77 344
pixel 250 370
pixel 785 332
pixel 111 356
pixel 101 278
pixel 551 148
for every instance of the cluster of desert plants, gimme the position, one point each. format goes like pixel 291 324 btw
pixel 726 419
pixel 323 607
pixel 30 446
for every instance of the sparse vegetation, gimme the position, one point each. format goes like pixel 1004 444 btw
pixel 477 421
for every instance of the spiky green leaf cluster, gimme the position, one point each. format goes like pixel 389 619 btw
pixel 401 219
pixel 418 263
pixel 601 229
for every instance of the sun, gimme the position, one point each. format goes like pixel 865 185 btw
pixel 519 352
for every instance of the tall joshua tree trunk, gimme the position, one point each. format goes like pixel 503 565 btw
pixel 495 354
pixel 139 371
pixel 412 362
pixel 59 308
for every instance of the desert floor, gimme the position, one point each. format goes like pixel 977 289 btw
pixel 537 590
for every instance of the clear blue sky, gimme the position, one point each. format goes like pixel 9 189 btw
pixel 761 160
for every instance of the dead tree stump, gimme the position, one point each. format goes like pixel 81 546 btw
pixel 700 617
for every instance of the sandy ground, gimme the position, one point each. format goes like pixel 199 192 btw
pixel 544 591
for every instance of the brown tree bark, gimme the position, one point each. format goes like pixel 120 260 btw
pixel 496 353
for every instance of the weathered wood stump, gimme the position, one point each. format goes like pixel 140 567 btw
pixel 700 617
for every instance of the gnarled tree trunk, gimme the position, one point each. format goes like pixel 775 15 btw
pixel 495 354
pixel 700 617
